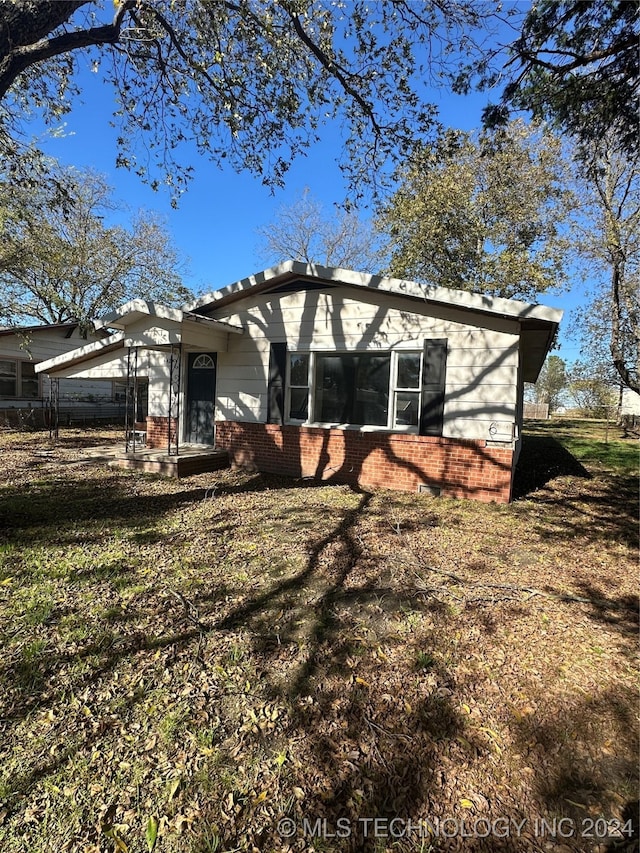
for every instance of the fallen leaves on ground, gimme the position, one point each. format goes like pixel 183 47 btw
pixel 184 667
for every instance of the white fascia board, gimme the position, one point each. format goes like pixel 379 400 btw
pixel 132 310
pixel 216 325
pixel 247 283
pixel 510 308
pixel 135 309
pixel 81 354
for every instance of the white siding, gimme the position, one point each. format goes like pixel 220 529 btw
pixel 42 344
pixel 482 360
pixel 630 402
pixel 159 369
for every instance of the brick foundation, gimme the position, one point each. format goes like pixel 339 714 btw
pixel 157 431
pixel 460 467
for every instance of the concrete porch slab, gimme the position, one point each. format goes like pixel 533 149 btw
pixel 191 460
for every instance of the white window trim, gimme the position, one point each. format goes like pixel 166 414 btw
pixel 289 386
pixel 393 388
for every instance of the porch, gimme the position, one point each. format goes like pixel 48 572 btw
pixel 191 460
pixel 164 360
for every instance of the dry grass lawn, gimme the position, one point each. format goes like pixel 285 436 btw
pixel 221 662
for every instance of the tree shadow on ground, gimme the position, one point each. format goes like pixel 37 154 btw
pixel 619 612
pixel 573 780
pixel 606 510
pixel 373 755
pixel 33 508
pixel 542 459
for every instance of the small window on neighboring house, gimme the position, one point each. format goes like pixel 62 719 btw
pixel 8 378
pixel 298 387
pixel 19 379
pixel 29 379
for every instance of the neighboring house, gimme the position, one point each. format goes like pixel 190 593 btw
pixel 629 403
pixel 338 375
pixel 21 349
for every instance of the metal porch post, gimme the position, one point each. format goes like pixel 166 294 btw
pixel 175 359
pixel 54 407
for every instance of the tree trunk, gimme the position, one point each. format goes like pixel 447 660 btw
pixel 616 329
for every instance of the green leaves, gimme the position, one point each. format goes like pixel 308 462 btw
pixel 577 66
pixel 481 213
pixel 71 262
pixel 151 833
pixel 247 82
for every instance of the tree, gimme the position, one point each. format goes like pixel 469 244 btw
pixel 575 64
pixel 552 382
pixel 303 232
pixel 249 82
pixel 608 243
pixel 62 263
pixel 592 389
pixel 481 212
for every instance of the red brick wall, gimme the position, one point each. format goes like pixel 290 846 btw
pixel 461 467
pixel 157 431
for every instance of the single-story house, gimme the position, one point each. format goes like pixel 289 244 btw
pixel 22 348
pixel 329 373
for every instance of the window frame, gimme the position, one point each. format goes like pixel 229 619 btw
pixel 19 362
pixel 396 389
pixel 290 385
pixel 393 389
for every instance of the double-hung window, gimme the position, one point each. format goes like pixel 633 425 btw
pixel 298 386
pixel 406 395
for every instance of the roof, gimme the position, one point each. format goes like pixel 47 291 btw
pixel 128 314
pixel 139 308
pixel 291 270
pixel 89 351
pixel 538 323
pixel 43 327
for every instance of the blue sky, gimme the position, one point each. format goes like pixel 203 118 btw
pixel 215 226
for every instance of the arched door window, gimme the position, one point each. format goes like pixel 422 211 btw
pixel 203 362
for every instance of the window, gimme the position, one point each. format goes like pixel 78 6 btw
pixel 8 378
pixel 203 362
pixel 29 380
pixel 19 379
pixel 298 386
pixel 142 405
pixel 399 390
pixel 352 389
pixel 407 389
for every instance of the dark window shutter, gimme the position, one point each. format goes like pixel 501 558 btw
pixel 433 381
pixel 276 383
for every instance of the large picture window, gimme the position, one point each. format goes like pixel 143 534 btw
pixel 401 390
pixel 19 379
pixel 352 389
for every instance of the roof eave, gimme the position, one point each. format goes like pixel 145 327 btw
pixel 476 302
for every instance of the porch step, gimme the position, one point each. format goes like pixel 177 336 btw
pixel 159 462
